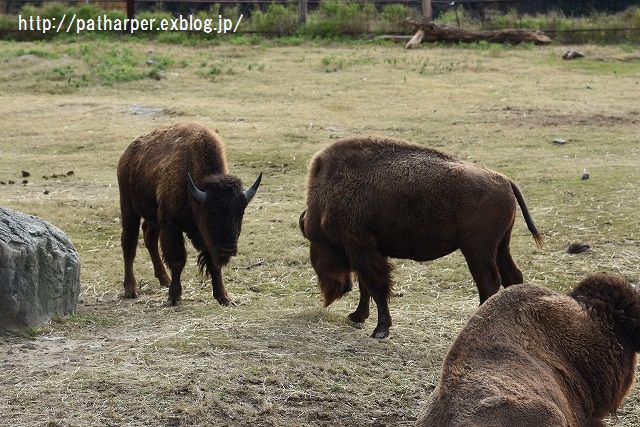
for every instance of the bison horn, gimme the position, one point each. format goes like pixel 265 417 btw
pixel 254 188
pixel 197 194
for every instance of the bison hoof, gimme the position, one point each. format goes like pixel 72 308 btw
pixel 131 295
pixel 224 300
pixel 227 303
pixel 356 317
pixel 380 332
pixel 174 302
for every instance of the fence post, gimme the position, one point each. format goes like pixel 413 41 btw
pixel 302 12
pixel 131 9
pixel 427 14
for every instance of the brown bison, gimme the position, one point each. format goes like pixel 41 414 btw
pixel 530 357
pixel 176 180
pixel 370 199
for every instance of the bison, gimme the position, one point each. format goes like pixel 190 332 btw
pixel 531 357
pixel 177 181
pixel 370 199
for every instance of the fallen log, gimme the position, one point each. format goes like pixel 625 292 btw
pixel 428 31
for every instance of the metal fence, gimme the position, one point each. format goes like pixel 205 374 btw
pixel 479 10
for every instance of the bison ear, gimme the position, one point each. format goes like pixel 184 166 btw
pixel 254 188
pixel 631 328
pixel 628 326
pixel 197 194
pixel 635 322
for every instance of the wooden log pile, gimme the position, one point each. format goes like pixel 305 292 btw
pixel 428 31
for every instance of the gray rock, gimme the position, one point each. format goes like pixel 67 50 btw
pixel 39 271
pixel 572 54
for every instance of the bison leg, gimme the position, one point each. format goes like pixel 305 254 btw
pixel 384 316
pixel 510 274
pixel 151 236
pixel 175 255
pixel 362 312
pixel 219 291
pixel 374 275
pixel 484 270
pixel 129 242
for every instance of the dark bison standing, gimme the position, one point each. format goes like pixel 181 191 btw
pixel 370 199
pixel 530 357
pixel 176 180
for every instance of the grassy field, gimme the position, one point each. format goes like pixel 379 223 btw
pixel 278 358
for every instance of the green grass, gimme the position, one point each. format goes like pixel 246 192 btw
pixel 85 320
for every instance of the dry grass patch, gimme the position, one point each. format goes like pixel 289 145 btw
pixel 279 358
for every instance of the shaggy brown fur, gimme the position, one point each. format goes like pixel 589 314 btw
pixel 370 199
pixel 153 177
pixel 530 357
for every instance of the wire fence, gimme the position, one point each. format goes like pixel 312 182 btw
pixel 567 7
pixel 584 16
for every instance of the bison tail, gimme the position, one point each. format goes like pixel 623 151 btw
pixel 527 217
pixel 301 223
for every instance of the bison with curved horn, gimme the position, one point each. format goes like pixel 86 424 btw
pixel 370 199
pixel 176 180
pixel 531 357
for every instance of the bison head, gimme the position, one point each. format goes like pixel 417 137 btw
pixel 611 297
pixel 220 206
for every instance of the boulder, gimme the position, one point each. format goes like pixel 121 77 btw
pixel 39 271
